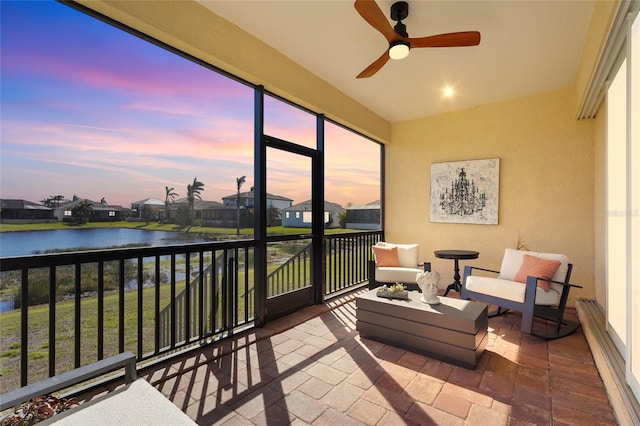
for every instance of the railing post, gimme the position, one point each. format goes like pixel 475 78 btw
pixel 24 320
pixel 230 282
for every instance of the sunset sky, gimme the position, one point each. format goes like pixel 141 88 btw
pixel 91 110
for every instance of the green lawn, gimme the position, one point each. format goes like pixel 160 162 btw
pixel 38 338
pixel 155 226
pixel 151 226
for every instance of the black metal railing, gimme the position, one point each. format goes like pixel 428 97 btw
pixel 76 308
pixel 291 274
pixel 149 301
pixel 346 260
pixel 346 264
pixel 219 297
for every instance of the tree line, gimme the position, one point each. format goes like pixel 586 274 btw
pixel 83 211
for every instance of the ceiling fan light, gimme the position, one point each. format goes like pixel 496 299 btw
pixel 399 50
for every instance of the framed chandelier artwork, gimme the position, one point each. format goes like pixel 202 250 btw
pixel 465 191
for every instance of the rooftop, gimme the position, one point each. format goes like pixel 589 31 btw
pixel 312 367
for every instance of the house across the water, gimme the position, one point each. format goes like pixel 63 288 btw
pixel 299 216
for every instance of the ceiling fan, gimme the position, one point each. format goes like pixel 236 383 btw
pixel 399 41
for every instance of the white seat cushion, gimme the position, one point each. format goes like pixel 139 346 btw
pixel 394 274
pixel 510 290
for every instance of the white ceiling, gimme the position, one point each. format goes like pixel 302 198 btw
pixel 527 46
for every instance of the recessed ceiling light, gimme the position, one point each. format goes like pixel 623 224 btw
pixel 447 92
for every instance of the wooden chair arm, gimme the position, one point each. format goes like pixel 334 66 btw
pixel 482 269
pixel 537 278
pixel 555 282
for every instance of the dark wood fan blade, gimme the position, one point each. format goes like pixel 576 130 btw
pixel 371 13
pixel 375 66
pixel 464 38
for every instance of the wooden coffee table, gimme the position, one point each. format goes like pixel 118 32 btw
pixel 454 331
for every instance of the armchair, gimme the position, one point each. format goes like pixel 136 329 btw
pixel 536 284
pixel 395 263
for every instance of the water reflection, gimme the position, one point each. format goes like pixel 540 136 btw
pixel 35 242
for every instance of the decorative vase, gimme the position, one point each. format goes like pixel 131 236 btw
pixel 428 282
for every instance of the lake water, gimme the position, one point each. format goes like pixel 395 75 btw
pixel 34 242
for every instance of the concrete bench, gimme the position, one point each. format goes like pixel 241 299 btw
pixel 135 404
pixel 70 378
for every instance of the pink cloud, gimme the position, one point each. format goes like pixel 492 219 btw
pixel 128 132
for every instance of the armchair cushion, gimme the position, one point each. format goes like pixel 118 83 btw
pixel 512 261
pixel 407 253
pixel 396 274
pixel 537 267
pixel 509 290
pixel 385 256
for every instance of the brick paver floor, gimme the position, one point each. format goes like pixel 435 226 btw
pixel 312 367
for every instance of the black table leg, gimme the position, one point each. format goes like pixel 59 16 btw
pixel 455 285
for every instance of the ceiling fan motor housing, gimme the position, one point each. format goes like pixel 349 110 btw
pixel 399 11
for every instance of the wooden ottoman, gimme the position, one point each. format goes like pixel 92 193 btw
pixel 454 331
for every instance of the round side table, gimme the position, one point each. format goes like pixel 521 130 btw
pixel 456 255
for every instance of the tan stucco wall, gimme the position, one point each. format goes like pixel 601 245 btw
pixel 546 181
pixel 192 28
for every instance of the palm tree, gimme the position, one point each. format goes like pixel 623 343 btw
pixel 169 196
pixel 82 211
pixel 193 192
pixel 56 200
pixel 239 182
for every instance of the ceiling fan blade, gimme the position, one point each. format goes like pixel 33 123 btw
pixel 371 13
pixel 464 38
pixel 375 66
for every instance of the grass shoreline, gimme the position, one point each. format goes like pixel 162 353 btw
pixel 224 233
pixel 170 227
pixel 151 226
